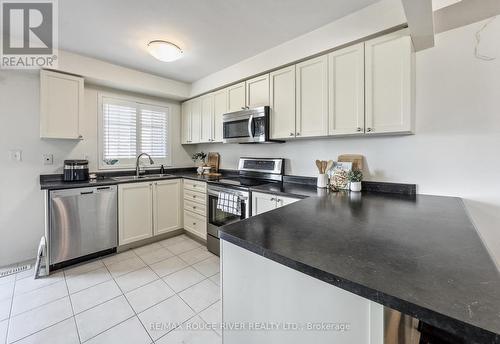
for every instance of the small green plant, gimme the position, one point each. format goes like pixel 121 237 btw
pixel 355 176
pixel 199 156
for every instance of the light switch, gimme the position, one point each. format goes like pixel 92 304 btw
pixel 16 155
pixel 48 159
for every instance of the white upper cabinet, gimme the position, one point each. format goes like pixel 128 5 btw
pixel 346 103
pixel 195 108
pixel 282 102
pixel 207 118
pixel 220 108
pixel 186 123
pixel 389 84
pixel 312 97
pixel 61 105
pixel 257 91
pixel 237 97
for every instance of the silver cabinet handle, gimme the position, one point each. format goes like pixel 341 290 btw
pixel 298 134
pixel 243 107
pixel 194 207
pixel 273 199
pixel 279 200
pixel 194 196
pixel 291 134
pixel 358 129
pixel 369 129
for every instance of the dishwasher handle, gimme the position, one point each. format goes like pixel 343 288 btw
pixel 87 192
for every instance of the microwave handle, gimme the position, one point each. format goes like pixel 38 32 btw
pixel 250 126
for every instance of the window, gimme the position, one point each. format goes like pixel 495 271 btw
pixel 128 128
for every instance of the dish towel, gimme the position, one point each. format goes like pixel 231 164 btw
pixel 229 203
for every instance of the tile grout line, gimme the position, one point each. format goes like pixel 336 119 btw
pixel 10 311
pixel 128 302
pixel 72 309
pixel 63 273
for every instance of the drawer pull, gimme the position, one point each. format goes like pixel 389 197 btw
pixel 194 207
pixel 194 223
pixel 194 196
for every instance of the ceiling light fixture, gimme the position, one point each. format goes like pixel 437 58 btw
pixel 164 51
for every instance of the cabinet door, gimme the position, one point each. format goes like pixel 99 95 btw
pixel 61 105
pixel 312 97
pixel 262 202
pixel 167 206
pixel 346 81
pixel 220 108
pixel 236 95
pixel 257 90
pixel 389 84
pixel 282 96
pixel 186 123
pixel 207 118
pixel 196 224
pixel 135 212
pixel 282 201
pixel 195 108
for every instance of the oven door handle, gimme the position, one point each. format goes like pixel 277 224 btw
pixel 250 126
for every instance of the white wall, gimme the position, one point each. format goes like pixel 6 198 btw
pixel 372 19
pixel 455 149
pixel 111 75
pixel 21 201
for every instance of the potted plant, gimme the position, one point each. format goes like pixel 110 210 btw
pixel 199 157
pixel 355 178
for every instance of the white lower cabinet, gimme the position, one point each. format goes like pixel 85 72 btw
pixel 260 291
pixel 135 209
pixel 195 208
pixel 167 206
pixel 262 202
pixel 148 209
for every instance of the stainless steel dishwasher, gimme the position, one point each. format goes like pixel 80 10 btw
pixel 82 222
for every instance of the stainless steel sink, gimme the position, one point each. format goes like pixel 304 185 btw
pixel 144 176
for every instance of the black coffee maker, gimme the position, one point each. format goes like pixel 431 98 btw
pixel 76 170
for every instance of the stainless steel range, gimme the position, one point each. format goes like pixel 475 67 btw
pixel 252 172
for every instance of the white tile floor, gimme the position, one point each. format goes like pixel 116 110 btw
pixel 132 297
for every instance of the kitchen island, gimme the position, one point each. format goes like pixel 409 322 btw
pixel 419 255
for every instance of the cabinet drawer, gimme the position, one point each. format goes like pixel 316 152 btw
pixel 195 224
pixel 194 185
pixel 194 196
pixel 197 208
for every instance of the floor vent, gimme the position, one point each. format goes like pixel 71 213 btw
pixel 15 270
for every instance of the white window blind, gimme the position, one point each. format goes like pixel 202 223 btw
pixel 154 131
pixel 129 128
pixel 119 131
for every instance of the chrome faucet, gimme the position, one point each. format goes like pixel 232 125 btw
pixel 137 170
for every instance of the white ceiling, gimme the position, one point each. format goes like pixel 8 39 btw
pixel 214 34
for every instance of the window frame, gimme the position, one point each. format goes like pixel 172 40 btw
pixel 130 163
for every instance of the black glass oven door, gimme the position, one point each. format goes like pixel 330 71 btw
pixel 220 218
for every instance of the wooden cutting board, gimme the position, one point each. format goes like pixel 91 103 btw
pixel 356 159
pixel 213 161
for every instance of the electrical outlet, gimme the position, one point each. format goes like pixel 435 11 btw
pixel 48 159
pixel 16 155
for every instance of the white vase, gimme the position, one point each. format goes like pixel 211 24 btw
pixel 355 186
pixel 322 181
pixel 200 170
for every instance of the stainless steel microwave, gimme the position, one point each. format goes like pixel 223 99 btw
pixel 246 126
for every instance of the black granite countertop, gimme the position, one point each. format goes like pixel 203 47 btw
pixel 55 181
pixel 290 189
pixel 417 254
